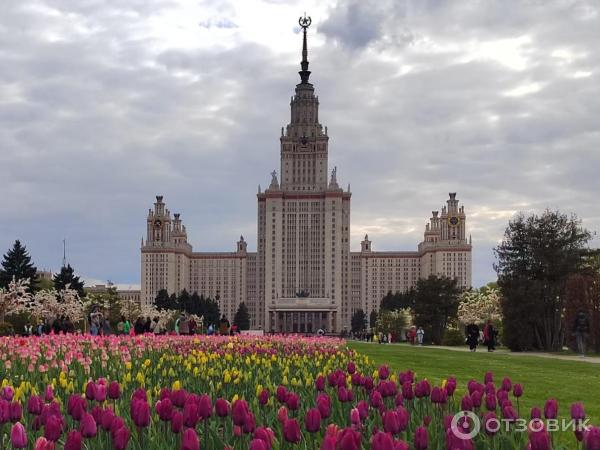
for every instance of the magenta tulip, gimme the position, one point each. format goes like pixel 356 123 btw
pixel 190 440
pixel 35 404
pixel 466 404
pixel 591 439
pixel 349 439
pixel 551 409
pixel 540 440
pixel 258 444
pixel 15 411
pixel 120 438
pixel 490 402
pixel 107 419
pixel 506 384
pixel 320 383
pixel 391 422
pixel 18 436
pixel 114 390
pixel 88 427
pixel 312 420
pixel 43 444
pixel 164 409
pixel 239 411
pixel 490 423
pixel 291 431
pixel 536 413
pixel 281 394
pixel 518 390
pixel 176 422
pixel 577 411
pixel 329 443
pixel 292 401
pixel 263 397
pixel 53 428
pixel 191 414
pixel 382 441
pixel 421 439
pixel 74 441
pixel 140 413
pixel 222 407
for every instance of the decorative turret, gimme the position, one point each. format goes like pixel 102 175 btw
pixel 365 245
pixel 242 246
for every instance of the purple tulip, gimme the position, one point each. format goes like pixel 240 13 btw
pixel 100 392
pixel 292 401
pixel 490 423
pixel 176 422
pixel 205 407
pixel 281 394
pixel 164 409
pixel 540 440
pixel 518 390
pixel 107 419
pixel 351 368
pixel 263 397
pixel 466 404
pixel 191 414
pixel 476 399
pixel 114 390
pixel 439 395
pixel 577 411
pixel 488 378
pixel 391 422
pixel 349 439
pixel 453 442
pixel 35 404
pixel 383 372
pixel 506 384
pixel 239 411
pixel 53 428
pixel 451 386
pixel 258 444
pixel 591 439
pixel 140 412
pixel 490 402
pixel 15 411
pixel 90 387
pixel 320 383
pixel 18 436
pixel 536 413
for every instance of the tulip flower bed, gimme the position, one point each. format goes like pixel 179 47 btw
pixel 269 393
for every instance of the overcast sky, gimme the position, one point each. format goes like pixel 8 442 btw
pixel 106 103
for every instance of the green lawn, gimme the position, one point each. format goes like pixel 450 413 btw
pixel 542 378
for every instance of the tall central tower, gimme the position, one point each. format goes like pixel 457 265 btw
pixel 304 225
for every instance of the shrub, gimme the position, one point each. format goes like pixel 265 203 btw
pixel 6 329
pixel 453 338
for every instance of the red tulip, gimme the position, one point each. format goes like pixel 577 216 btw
pixel 312 420
pixel 382 441
pixel 421 439
pixel 291 431
pixel 18 436
pixel 74 441
pixel 551 409
pixel 190 440
pixel 120 438
pixel 114 390
pixel 222 407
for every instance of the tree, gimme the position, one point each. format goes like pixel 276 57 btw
pixel 67 278
pixel 399 300
pixel 163 301
pixel 242 317
pixel 436 304
pixel 373 319
pixel 359 321
pixel 184 301
pixel 534 261
pixel 15 299
pixel 392 322
pixel 110 302
pixel 17 265
pixel 480 305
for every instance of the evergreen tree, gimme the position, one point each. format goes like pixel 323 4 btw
pixel 17 264
pixel 242 317
pixel 184 301
pixel 174 302
pixel 66 277
pixel 373 319
pixel 399 300
pixel 436 304
pixel 536 258
pixel 163 301
pixel 212 313
pixel 359 321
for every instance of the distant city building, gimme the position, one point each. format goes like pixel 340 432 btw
pixel 124 294
pixel 44 275
pixel 303 275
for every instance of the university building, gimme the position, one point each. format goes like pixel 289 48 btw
pixel 303 275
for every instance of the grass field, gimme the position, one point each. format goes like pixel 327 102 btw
pixel 542 378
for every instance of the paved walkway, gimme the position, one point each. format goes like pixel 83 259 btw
pixel 588 359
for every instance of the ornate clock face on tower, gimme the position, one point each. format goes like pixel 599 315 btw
pixel 157 223
pixel 453 220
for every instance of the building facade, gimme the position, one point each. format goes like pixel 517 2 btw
pixel 303 275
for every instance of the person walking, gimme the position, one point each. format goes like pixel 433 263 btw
pixel 489 336
pixel 224 326
pixel 420 336
pixel 581 328
pixel 472 336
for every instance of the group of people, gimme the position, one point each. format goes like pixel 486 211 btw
pixel 62 324
pixel 415 335
pixel 488 336
pixel 224 328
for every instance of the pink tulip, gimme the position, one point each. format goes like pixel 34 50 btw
pixel 43 444
pixel 190 440
pixel 18 436
pixel 291 431
pixel 282 415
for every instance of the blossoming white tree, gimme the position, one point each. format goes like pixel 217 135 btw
pixel 15 299
pixel 51 304
pixel 480 305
